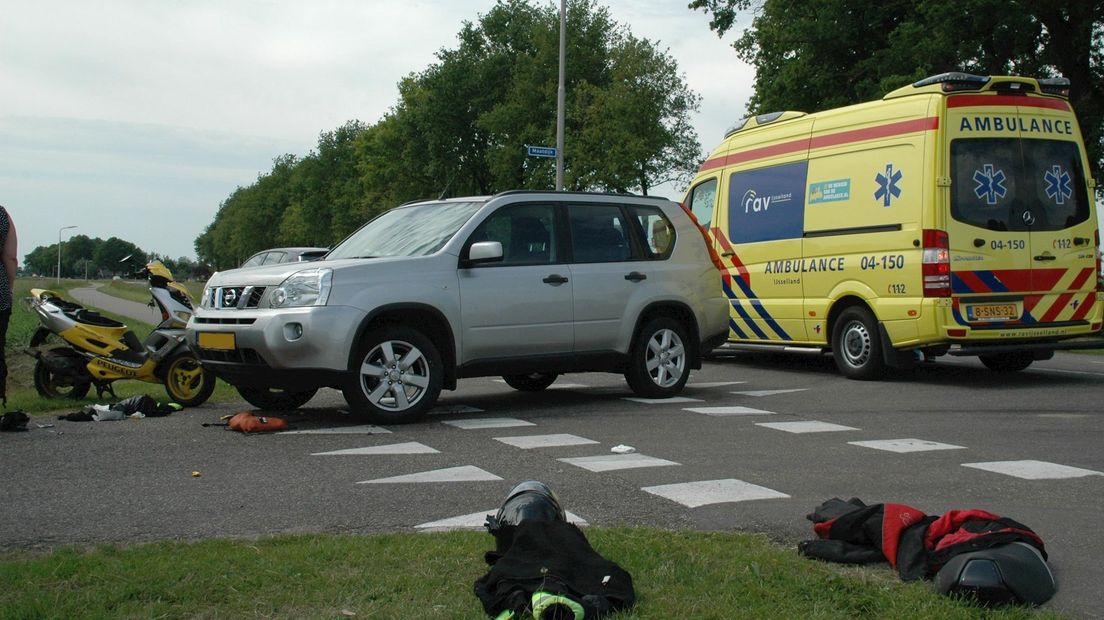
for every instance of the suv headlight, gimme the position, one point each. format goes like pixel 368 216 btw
pixel 305 288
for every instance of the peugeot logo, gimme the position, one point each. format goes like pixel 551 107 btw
pixel 1028 218
pixel 229 297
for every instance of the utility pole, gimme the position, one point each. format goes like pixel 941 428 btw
pixel 560 99
pixel 59 251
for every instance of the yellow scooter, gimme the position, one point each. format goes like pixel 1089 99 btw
pixel 102 350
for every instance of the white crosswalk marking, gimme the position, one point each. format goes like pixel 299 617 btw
pixel 410 447
pixel 811 426
pixel 464 473
pixel 906 445
pixel 1034 470
pixel 363 429
pixel 476 520
pixel 446 409
pixel 612 462
pixel 662 401
pixel 768 392
pixel 712 384
pixel 528 442
pixel 727 411
pixel 694 494
pixel 477 423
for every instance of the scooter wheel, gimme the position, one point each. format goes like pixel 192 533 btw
pixel 187 382
pixel 50 384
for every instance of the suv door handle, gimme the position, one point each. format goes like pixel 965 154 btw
pixel 1045 257
pixel 554 279
pixel 635 276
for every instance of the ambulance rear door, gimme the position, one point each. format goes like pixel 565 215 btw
pixel 1020 230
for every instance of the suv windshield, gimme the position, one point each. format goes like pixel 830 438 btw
pixel 997 180
pixel 417 230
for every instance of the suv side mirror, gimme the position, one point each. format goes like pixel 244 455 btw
pixel 484 252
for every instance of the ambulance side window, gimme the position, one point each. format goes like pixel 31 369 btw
pixel 702 200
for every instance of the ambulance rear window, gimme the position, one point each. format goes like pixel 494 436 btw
pixel 1014 184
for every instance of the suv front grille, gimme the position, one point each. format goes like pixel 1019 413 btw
pixel 234 297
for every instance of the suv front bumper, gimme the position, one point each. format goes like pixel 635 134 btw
pixel 283 348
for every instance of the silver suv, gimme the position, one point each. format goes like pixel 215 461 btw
pixel 526 285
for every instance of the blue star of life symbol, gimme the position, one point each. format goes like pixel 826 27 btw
pixel 887 185
pixel 1058 186
pixel 990 184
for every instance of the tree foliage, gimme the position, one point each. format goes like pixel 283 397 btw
pixel 82 255
pixel 817 54
pixel 460 127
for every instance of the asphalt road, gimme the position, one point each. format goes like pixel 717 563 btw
pixel 133 480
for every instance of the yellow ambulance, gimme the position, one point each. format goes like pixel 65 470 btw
pixel 953 216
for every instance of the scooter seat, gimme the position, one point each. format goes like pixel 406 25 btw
pixel 88 317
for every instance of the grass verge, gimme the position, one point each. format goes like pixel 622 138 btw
pixel 676 575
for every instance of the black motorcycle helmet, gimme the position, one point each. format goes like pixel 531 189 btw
pixel 529 500
pixel 1001 575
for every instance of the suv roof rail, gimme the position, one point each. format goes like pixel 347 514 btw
pixel 512 192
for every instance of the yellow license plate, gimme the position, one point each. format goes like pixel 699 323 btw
pixel 993 312
pixel 216 341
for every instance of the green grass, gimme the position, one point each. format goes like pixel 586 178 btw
pixel 688 575
pixel 21 391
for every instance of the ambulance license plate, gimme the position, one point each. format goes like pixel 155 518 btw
pixel 992 312
pixel 223 342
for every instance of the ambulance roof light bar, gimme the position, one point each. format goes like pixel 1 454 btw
pixel 955 81
pixel 1055 86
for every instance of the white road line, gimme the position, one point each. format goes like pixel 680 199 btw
pixel 694 494
pixel 556 386
pixel 363 429
pixel 612 462
pixel 727 411
pixel 410 447
pixel 902 446
pixel 1034 470
pixel 811 426
pixel 527 442
pixel 768 392
pixel 662 401
pixel 477 520
pixel 463 473
pixel 477 423
pixel 446 409
pixel 713 384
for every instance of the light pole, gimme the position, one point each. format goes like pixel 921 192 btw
pixel 59 251
pixel 560 99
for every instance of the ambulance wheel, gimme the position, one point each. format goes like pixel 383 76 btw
pixel 270 399
pixel 856 346
pixel 532 382
pixel 51 385
pixel 397 376
pixel 187 382
pixel 658 361
pixel 1007 362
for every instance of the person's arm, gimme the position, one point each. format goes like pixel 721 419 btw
pixel 11 254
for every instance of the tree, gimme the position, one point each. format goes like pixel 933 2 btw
pixel 817 54
pixel 465 121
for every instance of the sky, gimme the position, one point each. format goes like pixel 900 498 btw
pixel 136 118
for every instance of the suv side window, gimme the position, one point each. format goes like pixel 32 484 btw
pixel 599 234
pixel 527 233
pixel 701 201
pixel 655 229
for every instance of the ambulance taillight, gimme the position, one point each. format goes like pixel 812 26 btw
pixel 1099 270
pixel 936 264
